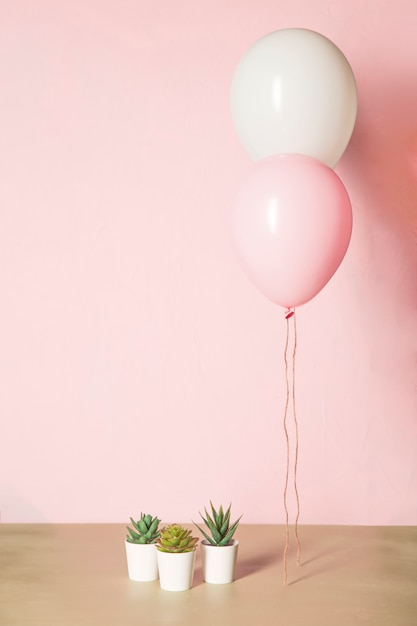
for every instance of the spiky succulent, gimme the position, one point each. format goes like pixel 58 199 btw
pixel 219 526
pixel 146 529
pixel 176 538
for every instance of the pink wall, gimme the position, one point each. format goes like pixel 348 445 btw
pixel 139 368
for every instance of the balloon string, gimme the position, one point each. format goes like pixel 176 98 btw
pixel 296 444
pixel 288 315
pixel 287 534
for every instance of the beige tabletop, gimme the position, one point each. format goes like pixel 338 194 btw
pixel 75 575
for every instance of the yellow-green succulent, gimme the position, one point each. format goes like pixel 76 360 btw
pixel 175 538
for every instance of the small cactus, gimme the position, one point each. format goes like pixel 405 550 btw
pixel 146 530
pixel 219 526
pixel 175 538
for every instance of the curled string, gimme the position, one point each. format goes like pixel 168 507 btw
pixel 287 399
pixel 288 315
pixel 296 444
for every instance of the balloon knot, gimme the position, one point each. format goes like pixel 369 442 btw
pixel 289 313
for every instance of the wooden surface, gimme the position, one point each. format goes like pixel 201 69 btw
pixel 75 575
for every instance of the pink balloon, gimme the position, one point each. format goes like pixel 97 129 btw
pixel 291 226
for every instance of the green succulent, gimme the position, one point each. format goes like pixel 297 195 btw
pixel 176 538
pixel 146 530
pixel 219 526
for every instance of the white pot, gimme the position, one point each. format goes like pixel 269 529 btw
pixel 219 562
pixel 176 570
pixel 142 561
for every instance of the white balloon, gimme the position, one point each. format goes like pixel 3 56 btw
pixel 294 91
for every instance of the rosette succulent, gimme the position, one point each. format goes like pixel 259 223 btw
pixel 221 531
pixel 145 530
pixel 175 538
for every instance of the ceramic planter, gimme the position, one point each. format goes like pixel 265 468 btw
pixel 176 570
pixel 142 561
pixel 219 562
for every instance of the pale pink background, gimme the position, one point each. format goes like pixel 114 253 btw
pixel 139 369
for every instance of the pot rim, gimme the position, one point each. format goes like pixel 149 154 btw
pixel 175 553
pixel 231 544
pixel 141 545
